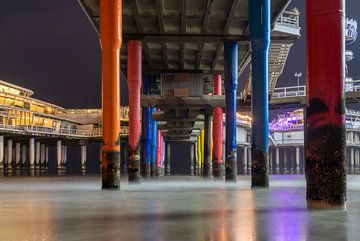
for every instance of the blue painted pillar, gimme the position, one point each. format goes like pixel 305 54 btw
pixel 146 132
pixel 153 145
pixel 259 11
pixel 231 82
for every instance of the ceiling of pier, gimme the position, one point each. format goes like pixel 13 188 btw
pixel 184 35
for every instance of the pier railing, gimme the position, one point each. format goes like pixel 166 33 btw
pixel 289 18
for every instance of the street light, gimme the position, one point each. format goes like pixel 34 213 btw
pixel 298 76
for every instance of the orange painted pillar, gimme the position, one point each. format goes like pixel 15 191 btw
pixel 218 165
pixel 111 40
pixel 134 84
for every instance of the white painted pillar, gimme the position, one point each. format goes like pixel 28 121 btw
pixel 42 156
pixel 297 160
pixel 58 154
pixel 32 153
pixel 83 157
pixel 37 154
pixel 1 152
pixel 277 159
pixel 17 155
pixel 9 154
pixel 23 155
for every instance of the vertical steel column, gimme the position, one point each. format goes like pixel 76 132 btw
pixel 231 82
pixel 17 156
pixel 32 155
pixel 134 84
pixel 23 157
pixel 146 132
pixel 325 110
pixel 218 165
pixel 192 158
pixel 153 146
pixel 83 157
pixel 9 155
pixel 58 156
pixel 297 160
pixel 111 40
pixel 42 157
pixel 259 23
pixel 244 161
pixel 202 140
pixel 168 159
pixel 208 173
pixel 199 154
pixel 1 154
pixel 158 153
pixel 37 155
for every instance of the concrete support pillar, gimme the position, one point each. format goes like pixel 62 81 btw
pixel 245 160
pixel 37 155
pixel 217 135
pixel 9 155
pixel 42 157
pixel 297 160
pixel 134 85
pixel 146 132
pixel 168 159
pixel 32 155
pixel 325 116
pixel 285 161
pixel 111 40
pixel 231 82
pixel 1 155
pixel 58 157
pixel 23 157
pixel 208 172
pixel 83 158
pixel 277 160
pixel 259 26
pixel 17 156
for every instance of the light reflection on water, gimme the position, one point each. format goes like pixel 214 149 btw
pixel 66 211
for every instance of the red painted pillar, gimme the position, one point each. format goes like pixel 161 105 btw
pixel 158 152
pixel 217 135
pixel 325 117
pixel 134 85
pixel 111 40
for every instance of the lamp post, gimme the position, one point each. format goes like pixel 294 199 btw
pixel 298 76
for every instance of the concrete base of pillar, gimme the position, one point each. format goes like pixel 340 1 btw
pixel 158 171
pixel 153 169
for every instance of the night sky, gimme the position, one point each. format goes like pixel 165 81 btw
pixel 51 48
